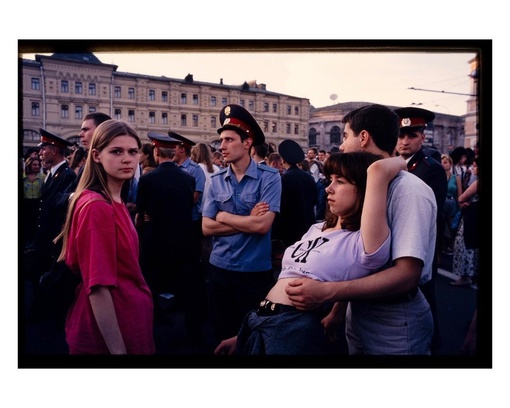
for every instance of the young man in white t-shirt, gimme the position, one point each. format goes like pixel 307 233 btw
pixel 387 312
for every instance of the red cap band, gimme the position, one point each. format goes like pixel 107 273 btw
pixel 237 123
pixel 412 122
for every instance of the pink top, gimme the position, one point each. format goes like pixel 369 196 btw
pixel 103 247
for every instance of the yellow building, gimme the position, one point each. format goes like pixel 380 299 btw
pixel 59 90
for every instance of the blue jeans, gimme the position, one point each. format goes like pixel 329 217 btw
pixel 289 333
pixel 390 329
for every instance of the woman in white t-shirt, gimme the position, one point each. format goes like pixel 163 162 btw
pixel 353 242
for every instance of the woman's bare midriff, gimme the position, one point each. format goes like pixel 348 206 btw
pixel 277 294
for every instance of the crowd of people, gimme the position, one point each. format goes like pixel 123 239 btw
pixel 282 251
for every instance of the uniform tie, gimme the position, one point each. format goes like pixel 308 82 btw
pixel 48 178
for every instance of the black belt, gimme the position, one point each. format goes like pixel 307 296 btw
pixel 268 308
pixel 390 300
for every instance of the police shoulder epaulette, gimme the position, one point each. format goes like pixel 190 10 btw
pixel 222 171
pixel 429 160
pixel 265 167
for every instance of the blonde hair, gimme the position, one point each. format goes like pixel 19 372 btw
pixel 94 176
pixel 201 153
pixel 447 157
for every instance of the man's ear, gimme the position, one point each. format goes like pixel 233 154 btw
pixel 248 144
pixel 364 138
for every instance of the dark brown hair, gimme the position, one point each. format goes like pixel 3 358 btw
pixel 353 167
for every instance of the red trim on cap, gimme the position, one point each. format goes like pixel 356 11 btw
pixel 412 122
pixel 237 123
pixel 51 141
pixel 159 143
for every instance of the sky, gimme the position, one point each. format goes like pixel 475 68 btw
pixel 325 78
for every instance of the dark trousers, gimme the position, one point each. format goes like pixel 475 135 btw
pixel 232 295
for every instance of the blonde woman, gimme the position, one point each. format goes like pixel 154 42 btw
pixel 202 154
pixel 113 311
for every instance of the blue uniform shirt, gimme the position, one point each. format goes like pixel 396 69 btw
pixel 196 171
pixel 242 252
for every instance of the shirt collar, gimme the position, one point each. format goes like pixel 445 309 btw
pixel 55 167
pixel 251 171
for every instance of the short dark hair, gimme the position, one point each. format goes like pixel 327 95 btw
pixel 457 153
pixel 97 117
pixel 261 150
pixel 379 121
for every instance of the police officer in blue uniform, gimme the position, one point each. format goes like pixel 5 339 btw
pixel 413 122
pixel 238 213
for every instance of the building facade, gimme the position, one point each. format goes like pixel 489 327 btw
pixel 326 127
pixel 59 90
pixel 471 117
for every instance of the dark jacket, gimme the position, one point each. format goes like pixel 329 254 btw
pixel 297 214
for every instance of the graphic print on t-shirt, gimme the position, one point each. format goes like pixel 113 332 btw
pixel 300 255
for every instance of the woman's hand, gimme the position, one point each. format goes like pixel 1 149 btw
pixel 226 347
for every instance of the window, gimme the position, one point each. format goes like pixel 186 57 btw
pixel 35 108
pixel 195 120
pixel 312 137
pixel 275 108
pixel 273 127
pixel 117 92
pixel 164 96
pixel 183 120
pixel 296 129
pixel 334 135
pixel 78 88
pixel 152 117
pixel 213 122
pixel 78 112
pixel 184 99
pixel 241 103
pixel 152 95
pixel 118 114
pixel 224 102
pixel 266 126
pixel 195 99
pixel 289 109
pixel 64 87
pixel 92 89
pixel 36 85
pixel 251 104
pixel 288 128
pixel 92 109
pixel 164 118
pixel 64 111
pixel 131 93
pixel 31 135
pixel 131 115
pixel 266 107
pixel 213 101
